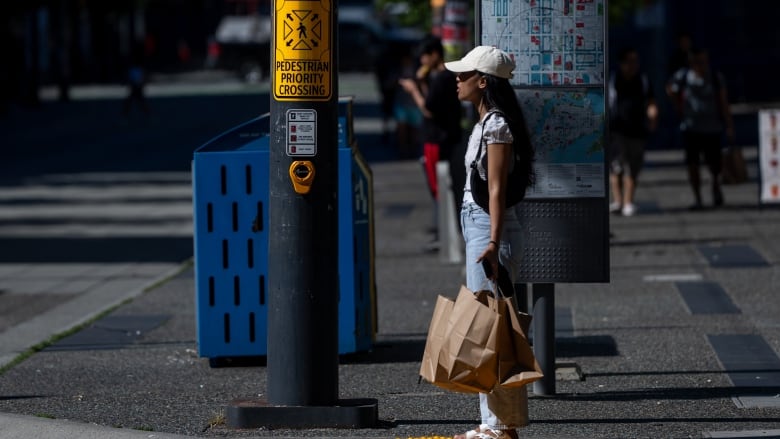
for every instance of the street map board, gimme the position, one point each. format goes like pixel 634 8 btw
pixel 567 130
pixel 553 42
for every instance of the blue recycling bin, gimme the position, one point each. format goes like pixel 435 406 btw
pixel 230 209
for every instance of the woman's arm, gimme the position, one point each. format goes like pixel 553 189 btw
pixel 498 157
pixel 411 87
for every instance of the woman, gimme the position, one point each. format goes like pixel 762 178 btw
pixel 483 79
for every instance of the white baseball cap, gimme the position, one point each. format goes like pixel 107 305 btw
pixel 485 59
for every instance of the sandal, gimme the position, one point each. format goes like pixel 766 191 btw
pixel 483 432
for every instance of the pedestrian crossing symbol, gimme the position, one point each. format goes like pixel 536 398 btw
pixel 302 52
pixel 300 33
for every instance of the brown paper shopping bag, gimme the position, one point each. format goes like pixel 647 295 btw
pixel 476 343
pixel 429 369
pixel 517 365
pixel 469 353
pixel 734 166
pixel 460 352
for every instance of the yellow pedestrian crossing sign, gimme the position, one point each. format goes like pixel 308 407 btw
pixel 303 58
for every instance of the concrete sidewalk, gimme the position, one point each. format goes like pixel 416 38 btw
pixel 682 342
pixel 23 427
pixel 650 361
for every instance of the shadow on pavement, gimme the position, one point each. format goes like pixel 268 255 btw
pixel 672 393
pixel 93 136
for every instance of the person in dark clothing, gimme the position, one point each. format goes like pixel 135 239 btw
pixel 435 94
pixel 633 114
pixel 681 53
pixel 701 100
pixel 398 105
pixel 136 82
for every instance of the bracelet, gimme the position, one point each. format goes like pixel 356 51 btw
pixel 493 242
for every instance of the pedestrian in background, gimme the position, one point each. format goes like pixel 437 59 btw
pixel 404 110
pixel 436 98
pixel 681 53
pixel 136 83
pixel 387 72
pixel 679 58
pixel 700 97
pixel 633 115
pixel 483 80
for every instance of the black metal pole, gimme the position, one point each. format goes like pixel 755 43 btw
pixel 303 249
pixel 544 336
pixel 303 178
pixel 521 297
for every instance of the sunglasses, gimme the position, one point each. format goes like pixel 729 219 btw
pixel 465 76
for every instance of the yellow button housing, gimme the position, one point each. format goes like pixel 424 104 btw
pixel 302 176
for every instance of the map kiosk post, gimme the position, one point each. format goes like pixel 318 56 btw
pixel 559 48
pixel 303 296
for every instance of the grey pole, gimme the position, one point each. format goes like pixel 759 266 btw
pixel 302 242
pixel 544 336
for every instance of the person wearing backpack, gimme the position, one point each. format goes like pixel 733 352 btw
pixel 700 97
pixel 633 115
pixel 499 150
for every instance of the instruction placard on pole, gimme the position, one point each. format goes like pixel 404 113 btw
pixel 303 58
pixel 301 132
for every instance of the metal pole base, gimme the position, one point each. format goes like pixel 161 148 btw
pixel 349 413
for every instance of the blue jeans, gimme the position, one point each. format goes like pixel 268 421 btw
pixel 501 409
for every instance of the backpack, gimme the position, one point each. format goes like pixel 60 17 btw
pixel 517 181
pixel 715 78
pixel 705 110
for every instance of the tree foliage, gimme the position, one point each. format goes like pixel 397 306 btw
pixel 417 13
pixel 618 11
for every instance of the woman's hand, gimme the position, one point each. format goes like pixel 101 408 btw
pixel 491 256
